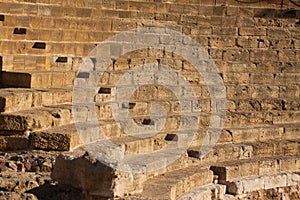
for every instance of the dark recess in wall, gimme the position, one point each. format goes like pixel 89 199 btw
pixel 20 31
pixel 1 63
pixel 104 91
pixel 39 45
pixel 62 60
pixel 1 18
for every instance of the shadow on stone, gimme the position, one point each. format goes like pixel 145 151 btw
pixel 50 191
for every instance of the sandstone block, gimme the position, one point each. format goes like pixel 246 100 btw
pixel 82 171
pixel 275 181
pixel 62 138
pixel 252 31
pixel 290 164
pixel 252 184
pixel 13 143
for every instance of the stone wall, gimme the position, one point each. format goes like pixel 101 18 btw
pixel 255 46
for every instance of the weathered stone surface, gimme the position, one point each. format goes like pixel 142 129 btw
pixel 62 138
pixel 12 143
pixel 37 79
pixel 35 119
pixel 17 99
pixel 175 183
pixel 258 183
pixel 265 166
pixel 82 171
pixel 212 191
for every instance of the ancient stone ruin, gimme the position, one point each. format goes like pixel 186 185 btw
pixel 150 99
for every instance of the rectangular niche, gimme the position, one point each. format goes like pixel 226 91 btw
pixel 39 45
pixel 20 31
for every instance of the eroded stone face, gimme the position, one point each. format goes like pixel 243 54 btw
pixel 82 171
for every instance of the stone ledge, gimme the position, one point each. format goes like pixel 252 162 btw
pixel 255 183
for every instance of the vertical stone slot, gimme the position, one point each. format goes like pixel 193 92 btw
pixel 39 45
pixel 1 63
pixel 20 31
pixel 131 105
pixel 1 18
pixel 62 60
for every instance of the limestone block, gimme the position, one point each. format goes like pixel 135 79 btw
pixel 13 143
pixel 291 133
pixel 222 42
pixel 81 170
pixel 235 187
pixel 293 179
pixel 253 184
pixel 256 31
pixel 225 31
pixel 262 150
pixel 290 164
pixel 34 119
pixel 263 55
pixel 15 99
pixel 287 148
pixel 274 32
pixel 242 136
pixel 174 184
pixel 236 55
pixel 275 181
pixel 62 138
pixel 268 167
pixel 247 42
pixel 236 170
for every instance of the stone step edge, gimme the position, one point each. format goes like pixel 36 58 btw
pixel 34 119
pixel 252 147
pixel 37 79
pixel 173 184
pixel 255 167
pixel 20 99
pixel 206 192
pixel 265 182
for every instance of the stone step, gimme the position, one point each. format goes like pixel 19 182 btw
pixel 62 138
pixel 221 153
pixel 65 138
pixel 13 143
pixel 232 152
pixel 17 99
pixel 132 170
pixel 140 145
pixel 256 167
pixel 250 184
pixel 251 134
pixel 21 122
pixel 207 192
pixel 37 79
pixel 173 184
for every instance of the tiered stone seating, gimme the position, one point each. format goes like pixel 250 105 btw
pixel 255 47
